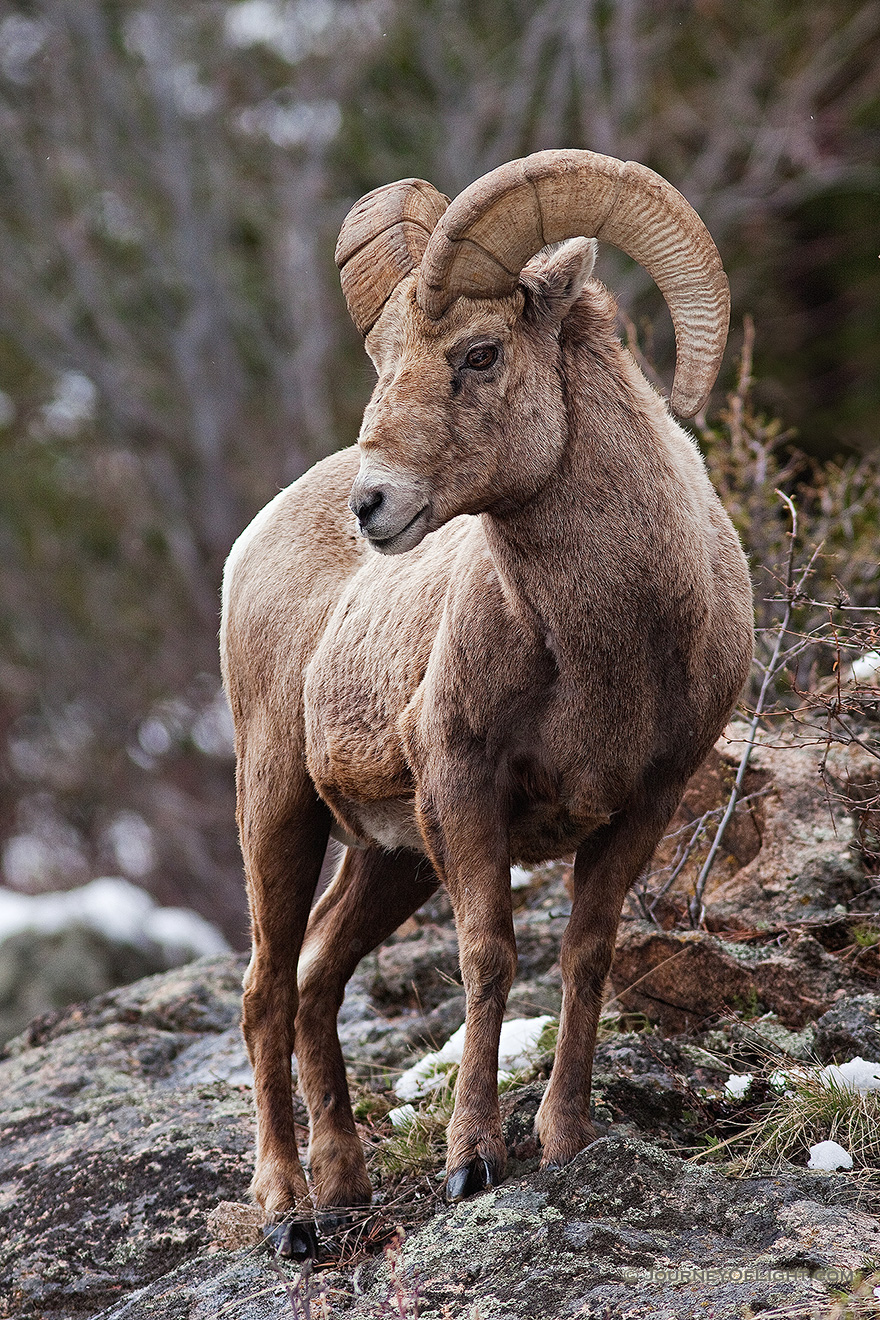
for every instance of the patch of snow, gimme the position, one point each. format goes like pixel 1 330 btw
pixel 210 1059
pixel 183 934
pixel 867 668
pixel 117 909
pixel 828 1156
pixel 402 1116
pixel 737 1085
pixel 516 1047
pixel 856 1075
pixel 519 1040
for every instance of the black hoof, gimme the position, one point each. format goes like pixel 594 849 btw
pixel 474 1177
pixel 297 1240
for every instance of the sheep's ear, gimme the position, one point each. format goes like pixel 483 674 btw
pixel 553 283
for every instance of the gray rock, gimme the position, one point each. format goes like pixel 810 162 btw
pixel 415 972
pixel 624 1231
pixel 41 971
pixel 126 1121
pixel 850 1028
pixel 764 1038
pixel 640 1079
pixel 115 1141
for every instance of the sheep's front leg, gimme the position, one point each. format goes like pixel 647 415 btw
pixel 605 867
pixel 470 853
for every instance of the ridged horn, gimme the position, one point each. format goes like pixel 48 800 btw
pixel 383 238
pixel 492 229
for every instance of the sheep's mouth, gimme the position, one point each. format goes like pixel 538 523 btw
pixel 406 538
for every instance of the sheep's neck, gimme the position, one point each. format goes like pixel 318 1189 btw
pixel 591 554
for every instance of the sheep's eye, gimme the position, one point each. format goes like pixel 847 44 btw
pixel 481 357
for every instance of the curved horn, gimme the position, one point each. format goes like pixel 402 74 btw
pixel 382 239
pixel 491 229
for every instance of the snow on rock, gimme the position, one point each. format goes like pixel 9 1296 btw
pixel 828 1156
pixel 516 1048
pixel 427 1074
pixel 856 1075
pixel 737 1085
pixel 117 909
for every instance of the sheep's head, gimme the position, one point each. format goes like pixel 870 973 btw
pixel 444 295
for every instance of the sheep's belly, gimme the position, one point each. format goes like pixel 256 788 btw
pixel 537 836
pixel 390 824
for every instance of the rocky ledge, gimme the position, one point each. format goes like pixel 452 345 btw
pixel 127 1126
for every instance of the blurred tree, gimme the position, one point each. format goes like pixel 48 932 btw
pixel 174 348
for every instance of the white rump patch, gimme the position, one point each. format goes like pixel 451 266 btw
pixel 240 547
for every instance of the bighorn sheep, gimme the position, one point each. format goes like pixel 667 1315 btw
pixel 552 635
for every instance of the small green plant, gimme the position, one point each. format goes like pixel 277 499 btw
pixel 866 936
pixel 418 1145
pixel 748 1006
pixel 714 1148
pixel 368 1107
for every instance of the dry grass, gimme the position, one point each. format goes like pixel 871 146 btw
pixel 812 1108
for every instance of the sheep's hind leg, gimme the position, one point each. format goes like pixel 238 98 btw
pixel 605 867
pixel 372 894
pixel 283 841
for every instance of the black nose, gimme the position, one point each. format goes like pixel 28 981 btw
pixel 366 503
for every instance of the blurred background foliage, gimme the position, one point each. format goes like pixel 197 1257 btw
pixel 174 347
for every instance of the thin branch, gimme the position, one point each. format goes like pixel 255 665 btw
pixel 697 911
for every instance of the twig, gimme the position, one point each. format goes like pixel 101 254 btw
pixel 696 908
pixel 299 1293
